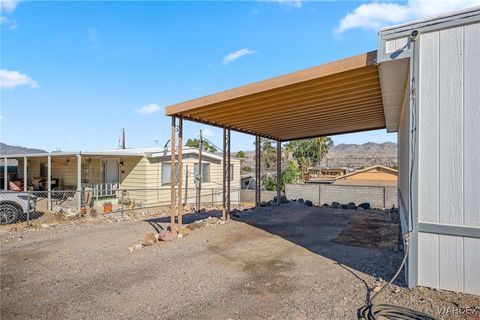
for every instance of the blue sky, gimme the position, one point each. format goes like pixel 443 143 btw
pixel 75 73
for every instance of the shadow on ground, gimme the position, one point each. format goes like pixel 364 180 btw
pixel 355 240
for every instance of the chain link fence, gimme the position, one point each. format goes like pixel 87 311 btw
pixel 30 206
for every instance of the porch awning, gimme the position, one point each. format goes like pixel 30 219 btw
pixel 338 97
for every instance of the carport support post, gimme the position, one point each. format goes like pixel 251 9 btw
pixel 172 180
pixel 257 173
pixel 79 182
pixel 279 171
pixel 224 172
pixel 180 171
pixel 5 174
pixel 25 173
pixel 49 182
pixel 229 172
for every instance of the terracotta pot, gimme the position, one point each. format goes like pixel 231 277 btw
pixel 107 208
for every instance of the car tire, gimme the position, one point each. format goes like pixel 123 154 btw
pixel 9 213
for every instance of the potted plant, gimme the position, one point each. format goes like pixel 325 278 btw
pixel 107 207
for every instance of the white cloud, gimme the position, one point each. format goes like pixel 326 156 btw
pixel 10 23
pixel 11 79
pixel 208 133
pixel 149 108
pixel 8 5
pixel 291 3
pixel 236 55
pixel 379 14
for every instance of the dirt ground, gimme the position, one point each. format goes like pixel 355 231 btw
pixel 279 264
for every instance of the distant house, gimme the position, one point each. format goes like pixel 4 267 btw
pixel 144 173
pixel 373 176
pixel 247 181
pixel 324 175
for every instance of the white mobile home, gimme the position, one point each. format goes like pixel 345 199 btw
pixel 438 127
pixel 144 175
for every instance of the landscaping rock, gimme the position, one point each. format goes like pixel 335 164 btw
pixel 335 205
pixel 325 205
pixel 309 203
pixel 283 199
pixel 364 205
pixel 149 239
pixel 135 247
pixel 212 220
pixel 165 235
pixel 184 231
pixel 197 225
pixel 351 206
pixel 301 200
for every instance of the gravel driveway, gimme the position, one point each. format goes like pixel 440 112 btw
pixel 280 264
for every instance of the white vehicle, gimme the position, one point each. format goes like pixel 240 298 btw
pixel 15 204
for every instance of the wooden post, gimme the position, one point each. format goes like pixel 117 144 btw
pixel 228 174
pixel 173 229
pixel 180 171
pixel 279 171
pixel 200 172
pixel 224 176
pixel 49 182
pixel 25 173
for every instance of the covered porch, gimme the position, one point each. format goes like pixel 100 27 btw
pixel 68 179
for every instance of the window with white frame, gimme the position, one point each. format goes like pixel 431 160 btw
pixel 167 172
pixel 205 171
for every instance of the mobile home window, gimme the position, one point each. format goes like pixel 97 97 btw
pixel 232 170
pixel 205 171
pixel 167 172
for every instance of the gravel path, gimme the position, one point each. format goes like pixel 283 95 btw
pixel 280 264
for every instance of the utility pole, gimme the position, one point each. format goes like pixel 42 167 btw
pixel 199 189
pixel 123 139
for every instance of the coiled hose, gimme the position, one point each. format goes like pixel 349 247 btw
pixel 372 311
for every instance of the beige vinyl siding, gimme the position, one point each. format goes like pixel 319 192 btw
pixel 133 177
pixel 158 194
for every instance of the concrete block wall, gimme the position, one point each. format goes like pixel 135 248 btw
pixel 305 191
pixel 249 195
pixel 378 197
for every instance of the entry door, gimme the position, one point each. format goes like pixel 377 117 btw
pixel 110 170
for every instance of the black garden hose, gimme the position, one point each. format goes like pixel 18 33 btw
pixel 372 311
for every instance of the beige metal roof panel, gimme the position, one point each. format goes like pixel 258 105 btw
pixel 338 97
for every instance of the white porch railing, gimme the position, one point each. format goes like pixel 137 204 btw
pixel 105 190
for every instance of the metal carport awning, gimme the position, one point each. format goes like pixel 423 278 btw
pixel 338 97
